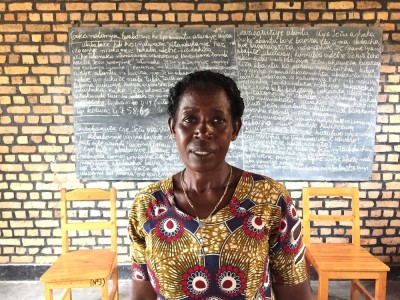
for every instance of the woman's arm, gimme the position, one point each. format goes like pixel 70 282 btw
pixel 142 290
pixel 299 291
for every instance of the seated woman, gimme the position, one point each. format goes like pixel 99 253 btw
pixel 213 231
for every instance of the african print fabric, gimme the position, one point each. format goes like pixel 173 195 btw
pixel 248 244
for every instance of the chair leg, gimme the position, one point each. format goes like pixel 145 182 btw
pixel 354 291
pixel 323 285
pixel 68 294
pixel 380 287
pixel 104 290
pixel 115 282
pixel 48 293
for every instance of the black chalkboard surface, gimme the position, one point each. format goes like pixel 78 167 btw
pixel 310 96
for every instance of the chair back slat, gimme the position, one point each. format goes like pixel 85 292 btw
pixel 354 218
pixel 86 194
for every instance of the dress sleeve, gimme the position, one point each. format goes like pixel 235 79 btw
pixel 286 247
pixel 137 217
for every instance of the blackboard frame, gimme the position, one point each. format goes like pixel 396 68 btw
pixel 261 60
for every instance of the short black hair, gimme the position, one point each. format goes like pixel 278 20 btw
pixel 207 78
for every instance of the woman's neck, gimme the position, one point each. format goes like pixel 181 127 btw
pixel 200 183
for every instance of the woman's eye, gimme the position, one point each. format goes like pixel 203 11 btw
pixel 188 120
pixel 219 120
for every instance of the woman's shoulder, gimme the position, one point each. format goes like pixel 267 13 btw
pixel 268 184
pixel 153 191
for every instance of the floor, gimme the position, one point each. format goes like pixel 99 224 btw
pixel 33 290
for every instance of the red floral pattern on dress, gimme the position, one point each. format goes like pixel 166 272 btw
pixel 283 230
pixel 231 281
pixel 236 210
pixel 169 229
pixel 196 282
pixel 254 226
pixel 292 210
pixel 153 280
pixel 138 273
pixel 156 210
pixel 182 215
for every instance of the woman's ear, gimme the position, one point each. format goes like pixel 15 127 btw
pixel 171 126
pixel 236 125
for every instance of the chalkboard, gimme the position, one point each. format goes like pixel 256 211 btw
pixel 310 98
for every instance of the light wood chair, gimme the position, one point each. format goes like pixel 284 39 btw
pixel 85 267
pixel 341 261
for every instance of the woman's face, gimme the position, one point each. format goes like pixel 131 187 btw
pixel 203 128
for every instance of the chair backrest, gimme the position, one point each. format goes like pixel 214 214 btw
pixel 336 192
pixel 88 194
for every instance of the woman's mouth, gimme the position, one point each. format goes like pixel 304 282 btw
pixel 201 152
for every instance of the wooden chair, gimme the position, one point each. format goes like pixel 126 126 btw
pixel 84 267
pixel 341 261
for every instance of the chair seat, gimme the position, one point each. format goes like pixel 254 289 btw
pixel 80 265
pixel 343 258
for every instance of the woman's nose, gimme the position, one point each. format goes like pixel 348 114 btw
pixel 204 131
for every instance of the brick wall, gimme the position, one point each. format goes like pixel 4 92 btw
pixel 36 124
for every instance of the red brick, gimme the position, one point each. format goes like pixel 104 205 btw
pixel 182 6
pixel 210 17
pixel 196 17
pixel 44 70
pixel 61 27
pixel 103 6
pixel 61 129
pixel 59 90
pixel 36 167
pixel 288 5
pixel 157 6
pixel 77 6
pixel 10 168
pixel 48 17
pixel 209 6
pixel 8 89
pixel 309 5
pixel 23 149
pixel 393 5
pixel 48 6
pixel 16 70
pixel 45 109
pixel 237 17
pixel 26 48
pixel 129 6
pixel 264 5
pixel 34 129
pixel 341 5
pixel 4 80
pixel 235 6
pixel 23 6
pixel 52 49
pixel 37 28
pixel 50 149
pixel 19 109
pixel 31 89
pixel 368 5
pixel 11 28
pixel 9 129
pixel 34 17
pixel 250 17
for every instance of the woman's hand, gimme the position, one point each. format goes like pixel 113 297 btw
pixel 299 291
pixel 142 290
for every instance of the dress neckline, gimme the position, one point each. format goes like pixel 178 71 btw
pixel 242 189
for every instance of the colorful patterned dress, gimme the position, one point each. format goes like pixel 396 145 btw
pixel 248 244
